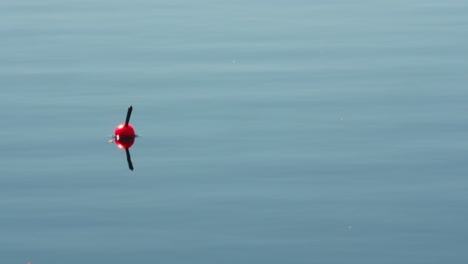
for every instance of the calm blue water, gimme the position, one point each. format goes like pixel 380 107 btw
pixel 270 131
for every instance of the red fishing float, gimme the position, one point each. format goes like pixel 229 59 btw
pixel 124 131
pixel 124 135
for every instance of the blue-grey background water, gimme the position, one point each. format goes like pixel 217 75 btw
pixel 270 131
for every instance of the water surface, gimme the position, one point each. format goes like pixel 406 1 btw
pixel 270 132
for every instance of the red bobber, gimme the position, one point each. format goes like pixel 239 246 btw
pixel 123 130
pixel 124 137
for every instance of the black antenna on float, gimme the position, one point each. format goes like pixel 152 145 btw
pixel 129 113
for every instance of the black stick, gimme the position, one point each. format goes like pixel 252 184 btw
pixel 129 160
pixel 129 113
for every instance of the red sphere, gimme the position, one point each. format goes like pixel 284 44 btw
pixel 122 131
